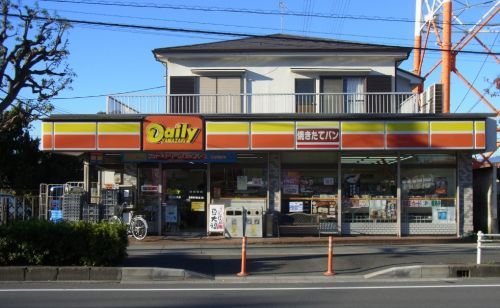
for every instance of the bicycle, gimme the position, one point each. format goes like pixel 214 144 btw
pixel 137 227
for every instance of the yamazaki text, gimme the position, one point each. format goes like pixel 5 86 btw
pixel 180 133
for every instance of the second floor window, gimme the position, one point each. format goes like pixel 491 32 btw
pixel 305 101
pixel 206 94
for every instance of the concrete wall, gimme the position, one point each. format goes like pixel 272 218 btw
pixel 465 193
pixel 403 85
pixel 273 74
pixel 274 168
pixel 485 202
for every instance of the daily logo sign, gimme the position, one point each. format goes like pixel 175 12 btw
pixel 173 133
pixel 181 133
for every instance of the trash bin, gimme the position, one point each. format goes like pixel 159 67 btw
pixel 253 222
pixel 234 222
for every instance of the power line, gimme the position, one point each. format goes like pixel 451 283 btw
pixel 109 94
pixel 25 101
pixel 237 26
pixel 237 10
pixel 475 78
pixel 241 26
pixel 224 33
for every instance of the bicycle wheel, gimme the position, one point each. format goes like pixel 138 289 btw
pixel 114 220
pixel 139 228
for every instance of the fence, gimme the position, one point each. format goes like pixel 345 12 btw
pixel 486 241
pixel 302 103
pixel 17 207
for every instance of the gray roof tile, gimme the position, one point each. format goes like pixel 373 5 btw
pixel 281 42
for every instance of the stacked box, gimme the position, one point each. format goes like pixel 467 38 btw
pixel 90 212
pixel 109 200
pixel 3 215
pixel 72 207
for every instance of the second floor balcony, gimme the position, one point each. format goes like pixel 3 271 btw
pixel 276 103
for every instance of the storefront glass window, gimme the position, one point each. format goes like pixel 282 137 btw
pixel 149 194
pixel 246 178
pixel 428 188
pixel 184 197
pixel 309 183
pixel 369 188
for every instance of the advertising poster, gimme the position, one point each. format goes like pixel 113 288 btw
pixel 441 185
pixel 216 218
pixel 242 183
pixel 296 206
pixel 328 181
pixel 198 206
pixel 351 184
pixel 442 215
pixel 171 213
pixel 290 183
pixel 377 209
pixel 306 184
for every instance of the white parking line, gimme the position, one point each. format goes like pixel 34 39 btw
pixel 256 289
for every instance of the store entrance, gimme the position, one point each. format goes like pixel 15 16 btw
pixel 184 198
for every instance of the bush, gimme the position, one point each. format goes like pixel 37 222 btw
pixel 39 242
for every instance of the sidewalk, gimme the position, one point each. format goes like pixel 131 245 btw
pixel 220 240
pixel 286 259
pixel 305 258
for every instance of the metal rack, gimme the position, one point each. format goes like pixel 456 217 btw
pixel 72 207
pixel 109 201
pixel 91 212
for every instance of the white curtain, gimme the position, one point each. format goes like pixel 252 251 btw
pixel 355 88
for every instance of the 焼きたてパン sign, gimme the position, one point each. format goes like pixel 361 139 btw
pixel 172 133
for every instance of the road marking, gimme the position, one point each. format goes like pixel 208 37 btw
pixel 254 289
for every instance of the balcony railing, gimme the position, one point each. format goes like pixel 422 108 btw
pixel 323 103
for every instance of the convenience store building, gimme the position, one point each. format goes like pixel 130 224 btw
pixel 323 129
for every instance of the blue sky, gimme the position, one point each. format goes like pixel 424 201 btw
pixel 111 60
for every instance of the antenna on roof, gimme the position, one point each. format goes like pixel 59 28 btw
pixel 283 8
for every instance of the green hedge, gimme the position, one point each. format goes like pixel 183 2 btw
pixel 38 242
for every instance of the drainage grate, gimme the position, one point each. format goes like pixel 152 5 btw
pixel 463 273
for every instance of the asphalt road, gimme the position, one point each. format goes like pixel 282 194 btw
pixel 303 260
pixel 452 293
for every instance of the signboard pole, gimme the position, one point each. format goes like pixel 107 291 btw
pixel 209 201
pixel 160 194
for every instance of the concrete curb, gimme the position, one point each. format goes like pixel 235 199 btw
pixel 84 273
pixel 159 274
pixel 438 271
pixel 156 274
pixel 172 241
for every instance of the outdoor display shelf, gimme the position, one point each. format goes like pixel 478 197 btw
pixel 91 212
pixel 72 207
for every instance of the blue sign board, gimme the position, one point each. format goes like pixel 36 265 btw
pixel 180 157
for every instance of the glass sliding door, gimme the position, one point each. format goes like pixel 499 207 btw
pixel 354 87
pixel 150 195
pixel 428 193
pixel 332 98
pixel 369 194
pixel 221 94
pixel 184 197
pixel 305 97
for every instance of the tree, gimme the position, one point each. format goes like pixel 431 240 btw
pixel 23 166
pixel 33 56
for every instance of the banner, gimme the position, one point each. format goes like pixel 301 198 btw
pixel 216 218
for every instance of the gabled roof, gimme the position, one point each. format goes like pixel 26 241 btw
pixel 410 73
pixel 281 43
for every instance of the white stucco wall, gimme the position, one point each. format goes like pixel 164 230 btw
pixel 403 85
pixel 269 74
